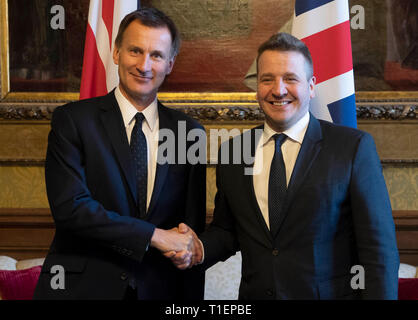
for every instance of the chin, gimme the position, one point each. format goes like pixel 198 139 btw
pixel 139 91
pixel 282 118
pixel 280 123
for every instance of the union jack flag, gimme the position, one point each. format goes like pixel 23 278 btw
pixel 324 26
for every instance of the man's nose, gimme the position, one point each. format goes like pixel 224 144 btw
pixel 279 88
pixel 143 63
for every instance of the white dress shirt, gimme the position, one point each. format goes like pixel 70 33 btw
pixel 150 128
pixel 264 155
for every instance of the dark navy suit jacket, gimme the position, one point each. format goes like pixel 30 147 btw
pixel 337 214
pixel 100 240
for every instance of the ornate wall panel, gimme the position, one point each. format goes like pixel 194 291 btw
pixel 402 184
pixel 22 187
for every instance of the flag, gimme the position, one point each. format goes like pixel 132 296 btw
pixel 100 74
pixel 324 26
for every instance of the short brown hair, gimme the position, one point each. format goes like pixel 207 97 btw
pixel 151 17
pixel 286 42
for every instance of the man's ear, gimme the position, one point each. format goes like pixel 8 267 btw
pixel 116 55
pixel 312 83
pixel 170 64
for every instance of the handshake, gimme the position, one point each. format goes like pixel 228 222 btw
pixel 181 245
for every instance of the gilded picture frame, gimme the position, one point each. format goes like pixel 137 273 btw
pixel 178 98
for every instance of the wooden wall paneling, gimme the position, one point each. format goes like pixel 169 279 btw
pixel 25 233
pixel 406 223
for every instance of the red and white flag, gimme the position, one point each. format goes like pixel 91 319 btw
pixel 324 26
pixel 100 74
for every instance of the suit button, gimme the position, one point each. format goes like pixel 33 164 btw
pixel 275 252
pixel 123 276
pixel 270 293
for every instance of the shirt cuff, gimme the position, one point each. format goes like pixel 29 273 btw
pixel 203 252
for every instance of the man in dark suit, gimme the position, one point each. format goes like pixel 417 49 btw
pixel 111 195
pixel 316 213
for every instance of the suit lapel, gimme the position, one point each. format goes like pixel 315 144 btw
pixel 162 169
pixel 308 152
pixel 111 118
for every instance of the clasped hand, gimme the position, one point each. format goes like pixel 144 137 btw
pixel 181 245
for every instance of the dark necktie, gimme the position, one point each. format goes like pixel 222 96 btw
pixel 140 156
pixel 277 184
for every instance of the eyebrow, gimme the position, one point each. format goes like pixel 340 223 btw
pixel 130 47
pixel 161 53
pixel 291 74
pixel 267 75
pixel 287 74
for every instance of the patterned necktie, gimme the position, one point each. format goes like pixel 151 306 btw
pixel 277 184
pixel 140 155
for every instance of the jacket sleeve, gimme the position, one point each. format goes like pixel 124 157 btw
pixel 373 223
pixel 72 206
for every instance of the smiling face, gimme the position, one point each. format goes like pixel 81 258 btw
pixel 283 88
pixel 144 59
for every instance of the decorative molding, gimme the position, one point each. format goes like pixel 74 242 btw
pixel 22 162
pixel 4 49
pixel 206 110
pixel 404 219
pixel 399 162
pixel 19 111
pixel 389 111
pixel 28 232
pixel 27 217
pixel 224 113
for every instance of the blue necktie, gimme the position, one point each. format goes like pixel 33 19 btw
pixel 277 184
pixel 140 155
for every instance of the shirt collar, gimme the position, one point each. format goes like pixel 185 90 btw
pixel 295 132
pixel 129 111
